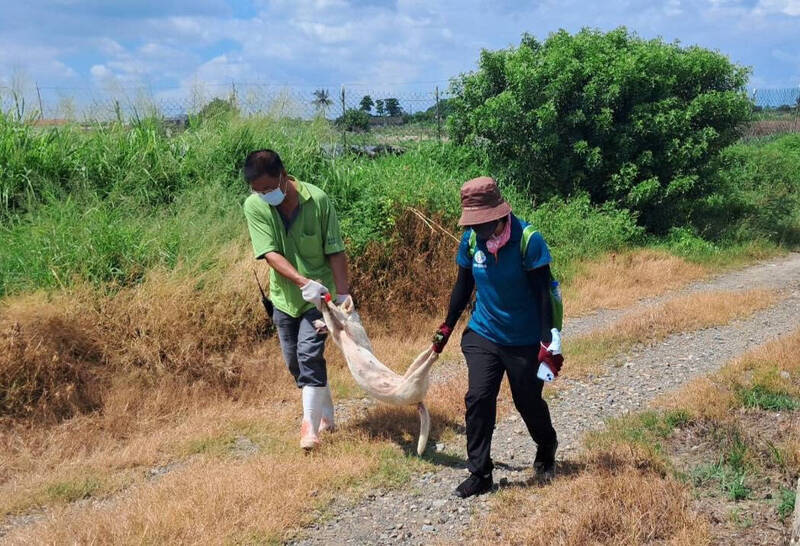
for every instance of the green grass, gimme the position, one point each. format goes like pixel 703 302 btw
pixel 786 502
pixel 731 481
pixel 732 468
pixel 647 430
pixel 71 490
pixel 107 205
pixel 763 398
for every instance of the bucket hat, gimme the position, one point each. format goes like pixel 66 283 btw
pixel 481 202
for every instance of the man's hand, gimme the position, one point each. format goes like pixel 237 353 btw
pixel 553 361
pixel 440 337
pixel 313 292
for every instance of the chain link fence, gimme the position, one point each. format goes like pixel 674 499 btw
pixel 777 111
pixel 363 114
pixel 382 114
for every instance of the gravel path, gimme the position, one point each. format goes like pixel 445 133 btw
pixel 425 510
pixel 767 275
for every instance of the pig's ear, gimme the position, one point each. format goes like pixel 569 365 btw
pixel 348 306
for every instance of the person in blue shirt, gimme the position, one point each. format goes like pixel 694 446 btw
pixel 508 332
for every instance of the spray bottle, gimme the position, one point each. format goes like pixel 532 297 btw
pixel 545 373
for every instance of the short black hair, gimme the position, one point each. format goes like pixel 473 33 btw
pixel 262 162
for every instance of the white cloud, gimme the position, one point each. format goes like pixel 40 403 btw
pixel 326 34
pixel 322 42
pixel 100 72
pixel 785 7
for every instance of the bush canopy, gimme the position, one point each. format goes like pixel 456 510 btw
pixel 632 121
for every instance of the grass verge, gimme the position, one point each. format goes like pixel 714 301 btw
pixel 720 467
pixel 683 314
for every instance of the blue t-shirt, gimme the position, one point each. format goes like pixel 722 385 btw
pixel 506 311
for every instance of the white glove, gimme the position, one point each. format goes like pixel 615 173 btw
pixel 313 292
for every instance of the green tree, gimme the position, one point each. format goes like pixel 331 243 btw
pixel 322 100
pixel 631 121
pixel 379 107
pixel 217 108
pixel 367 103
pixel 393 107
pixel 354 120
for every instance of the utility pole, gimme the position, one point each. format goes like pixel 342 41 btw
pixel 438 117
pixel 344 125
pixel 39 96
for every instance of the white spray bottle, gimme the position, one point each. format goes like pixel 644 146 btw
pixel 545 373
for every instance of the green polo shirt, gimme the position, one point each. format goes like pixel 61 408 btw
pixel 313 235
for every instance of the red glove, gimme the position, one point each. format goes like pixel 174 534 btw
pixel 440 337
pixel 554 362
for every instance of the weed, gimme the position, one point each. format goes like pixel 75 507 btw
pixel 72 490
pixel 786 505
pixel 740 519
pixel 763 398
pixel 642 433
pixel 731 481
pixel 777 455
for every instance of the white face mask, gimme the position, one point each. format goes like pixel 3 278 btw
pixel 274 197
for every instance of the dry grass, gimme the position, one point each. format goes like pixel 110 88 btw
pixel 409 278
pixel 60 354
pixel 218 497
pixel 212 495
pixel 171 372
pixel 622 491
pixel 607 497
pixel 773 368
pixel 149 419
pixel 686 313
pixel 619 280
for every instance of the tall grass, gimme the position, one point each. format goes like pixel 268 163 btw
pixel 108 203
pixel 759 195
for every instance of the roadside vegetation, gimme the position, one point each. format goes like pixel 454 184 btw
pixel 715 463
pixel 135 359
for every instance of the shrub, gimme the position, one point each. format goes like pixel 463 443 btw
pixel 757 193
pixel 627 120
pixel 217 108
pixel 354 119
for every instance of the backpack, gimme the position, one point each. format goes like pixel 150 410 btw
pixel 555 290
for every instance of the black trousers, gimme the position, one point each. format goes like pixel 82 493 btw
pixel 486 363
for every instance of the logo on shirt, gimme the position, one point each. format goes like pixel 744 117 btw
pixel 480 258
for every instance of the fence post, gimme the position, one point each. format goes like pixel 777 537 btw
pixel 233 95
pixel 796 111
pixel 344 125
pixel 39 96
pixel 438 117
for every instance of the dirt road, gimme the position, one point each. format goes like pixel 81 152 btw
pixel 426 510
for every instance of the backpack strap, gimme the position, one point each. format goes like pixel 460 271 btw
pixel 527 233
pixel 473 242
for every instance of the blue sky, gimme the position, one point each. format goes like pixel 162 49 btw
pixel 170 44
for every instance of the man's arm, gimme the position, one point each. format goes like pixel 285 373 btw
pixel 459 298
pixel 338 262
pixel 539 280
pixel 284 268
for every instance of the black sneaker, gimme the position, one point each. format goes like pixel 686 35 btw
pixel 474 485
pixel 545 462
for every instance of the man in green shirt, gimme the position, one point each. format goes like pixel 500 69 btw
pixel 293 226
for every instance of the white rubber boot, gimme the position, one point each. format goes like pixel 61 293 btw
pixel 326 423
pixel 313 398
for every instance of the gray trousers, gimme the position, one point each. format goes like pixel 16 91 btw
pixel 303 348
